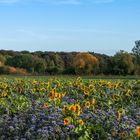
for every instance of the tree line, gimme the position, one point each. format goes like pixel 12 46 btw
pixel 70 63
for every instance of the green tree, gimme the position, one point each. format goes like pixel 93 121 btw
pixel 40 67
pixel 136 53
pixel 123 63
pixel 136 50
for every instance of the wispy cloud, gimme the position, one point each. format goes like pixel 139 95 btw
pixel 32 34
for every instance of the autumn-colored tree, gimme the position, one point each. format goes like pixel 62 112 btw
pixel 85 63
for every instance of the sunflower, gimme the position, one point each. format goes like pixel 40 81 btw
pixel 115 97
pixel 124 135
pixel 86 92
pixel 81 122
pixel 137 131
pixel 118 116
pixel 121 111
pixel 93 101
pixel 64 108
pixel 51 95
pixel 45 104
pixel 113 133
pixel 72 108
pixel 78 109
pixel 87 104
pixel 66 121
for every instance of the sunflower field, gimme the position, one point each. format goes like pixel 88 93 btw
pixel 69 109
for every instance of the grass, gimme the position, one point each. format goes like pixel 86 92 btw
pixel 109 77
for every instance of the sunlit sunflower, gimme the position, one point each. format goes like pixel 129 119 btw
pixel 86 92
pixel 51 95
pixel 137 131
pixel 128 93
pixel 64 108
pixel 72 108
pixel 93 101
pixel 66 121
pixel 81 122
pixel 87 104
pixel 118 116
pixel 45 104
pixel 78 109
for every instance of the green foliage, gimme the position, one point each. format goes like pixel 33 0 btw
pixel 14 104
pixel 136 49
pixel 136 53
pixel 123 63
pixel 4 70
pixel 53 63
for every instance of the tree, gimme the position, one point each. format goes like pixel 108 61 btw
pixel 136 53
pixel 85 63
pixel 136 49
pixel 29 62
pixel 40 67
pixel 123 63
pixel 21 61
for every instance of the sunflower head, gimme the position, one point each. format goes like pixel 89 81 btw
pixel 67 121
pixel 81 122
pixel 64 108
pixel 45 104
pixel 93 101
pixel 124 135
pixel 137 131
pixel 72 108
pixel 87 104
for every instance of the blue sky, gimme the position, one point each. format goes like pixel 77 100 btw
pixel 103 26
